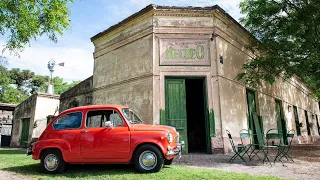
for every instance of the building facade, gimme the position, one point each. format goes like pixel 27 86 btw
pixel 6 114
pixel 78 95
pixel 30 117
pixel 177 66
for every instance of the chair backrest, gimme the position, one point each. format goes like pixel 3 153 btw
pixel 290 135
pixel 259 131
pixel 231 141
pixel 272 136
pixel 245 135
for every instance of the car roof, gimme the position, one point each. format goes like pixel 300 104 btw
pixel 96 107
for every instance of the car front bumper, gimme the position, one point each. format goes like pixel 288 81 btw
pixel 177 150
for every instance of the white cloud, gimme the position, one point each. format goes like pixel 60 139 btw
pixel 78 61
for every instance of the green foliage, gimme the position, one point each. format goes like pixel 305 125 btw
pixel 17 85
pixel 288 40
pixel 23 20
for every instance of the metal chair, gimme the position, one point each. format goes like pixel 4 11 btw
pixel 284 149
pixel 245 136
pixel 273 138
pixel 236 149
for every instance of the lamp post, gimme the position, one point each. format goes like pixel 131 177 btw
pixel 51 65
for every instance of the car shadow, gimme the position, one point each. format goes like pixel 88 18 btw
pixel 9 151
pixel 77 170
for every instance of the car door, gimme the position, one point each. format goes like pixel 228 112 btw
pixel 100 142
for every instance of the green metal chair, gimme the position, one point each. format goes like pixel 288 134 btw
pixel 273 138
pixel 247 143
pixel 285 149
pixel 237 149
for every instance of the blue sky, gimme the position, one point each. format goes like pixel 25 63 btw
pixel 88 18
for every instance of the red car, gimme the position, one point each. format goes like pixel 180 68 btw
pixel 105 134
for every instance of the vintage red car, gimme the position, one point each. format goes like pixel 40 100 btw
pixel 105 134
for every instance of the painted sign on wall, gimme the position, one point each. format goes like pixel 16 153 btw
pixel 184 52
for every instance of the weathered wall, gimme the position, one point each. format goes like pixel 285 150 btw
pixel 6 116
pixel 233 96
pixel 130 61
pixel 37 107
pixel 26 109
pixel 137 94
pixel 80 94
pixel 123 67
pixel 45 105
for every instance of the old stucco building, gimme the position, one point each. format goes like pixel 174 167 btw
pixel 177 66
pixel 6 114
pixel 30 117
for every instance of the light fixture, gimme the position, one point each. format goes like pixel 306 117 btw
pixel 289 108
pixel 221 59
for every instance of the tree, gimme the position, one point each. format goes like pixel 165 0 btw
pixel 17 85
pixel 23 20
pixel 287 41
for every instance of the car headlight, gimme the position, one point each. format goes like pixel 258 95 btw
pixel 169 137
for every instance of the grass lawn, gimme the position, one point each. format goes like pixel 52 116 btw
pixel 16 161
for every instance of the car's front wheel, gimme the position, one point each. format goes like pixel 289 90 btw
pixel 148 159
pixel 52 161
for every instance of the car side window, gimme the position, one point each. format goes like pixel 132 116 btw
pixel 68 121
pixel 98 118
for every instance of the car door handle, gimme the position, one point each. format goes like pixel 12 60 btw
pixel 85 130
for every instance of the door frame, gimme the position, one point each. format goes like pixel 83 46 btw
pixel 205 101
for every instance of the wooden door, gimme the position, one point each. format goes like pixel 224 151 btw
pixel 175 104
pixel 296 119
pixel 281 123
pixel 25 131
pixel 251 103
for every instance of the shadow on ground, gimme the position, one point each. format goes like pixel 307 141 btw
pixel 12 152
pixel 74 171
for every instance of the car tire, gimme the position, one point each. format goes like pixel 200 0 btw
pixel 168 162
pixel 148 159
pixel 52 162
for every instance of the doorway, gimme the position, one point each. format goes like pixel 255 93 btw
pixel 195 115
pixel 25 131
pixel 186 110
pixel 281 122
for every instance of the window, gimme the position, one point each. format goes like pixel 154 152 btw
pixel 73 104
pixel 307 122
pixel 68 121
pixel 100 117
pixel 296 119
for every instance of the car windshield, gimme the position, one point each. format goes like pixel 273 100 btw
pixel 131 116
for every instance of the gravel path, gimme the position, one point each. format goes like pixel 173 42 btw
pixel 5 175
pixel 306 165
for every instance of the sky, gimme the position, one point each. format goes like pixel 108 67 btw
pixel 88 18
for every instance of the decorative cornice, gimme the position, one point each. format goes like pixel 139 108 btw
pixel 174 14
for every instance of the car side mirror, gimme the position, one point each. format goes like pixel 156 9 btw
pixel 108 124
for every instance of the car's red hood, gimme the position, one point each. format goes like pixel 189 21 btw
pixel 147 127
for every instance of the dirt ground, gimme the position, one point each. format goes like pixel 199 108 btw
pixel 306 164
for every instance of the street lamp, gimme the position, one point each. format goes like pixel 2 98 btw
pixel 51 65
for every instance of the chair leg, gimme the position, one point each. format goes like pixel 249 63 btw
pixel 233 157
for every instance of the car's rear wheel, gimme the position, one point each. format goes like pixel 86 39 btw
pixel 168 162
pixel 148 159
pixel 52 161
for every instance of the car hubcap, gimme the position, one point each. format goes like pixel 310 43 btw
pixel 148 160
pixel 51 162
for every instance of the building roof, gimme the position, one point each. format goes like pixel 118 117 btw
pixel 168 8
pixel 7 106
pixel 53 96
